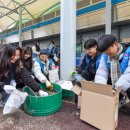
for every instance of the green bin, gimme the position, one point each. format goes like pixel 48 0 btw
pixel 43 106
pixel 68 95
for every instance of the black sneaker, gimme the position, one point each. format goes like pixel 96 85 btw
pixel 123 101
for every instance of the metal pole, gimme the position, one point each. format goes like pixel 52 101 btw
pixel 108 17
pixel 20 26
pixel 68 38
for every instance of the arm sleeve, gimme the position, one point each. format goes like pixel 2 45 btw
pixel 38 73
pixel 124 80
pixel 102 72
pixel 83 63
pixel 1 86
pixel 28 80
pixel 34 50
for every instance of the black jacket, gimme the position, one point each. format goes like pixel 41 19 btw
pixel 23 75
pixel 88 67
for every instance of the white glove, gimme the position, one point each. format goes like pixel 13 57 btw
pixel 48 84
pixel 13 83
pixel 8 88
pixel 55 58
pixel 32 76
pixel 42 93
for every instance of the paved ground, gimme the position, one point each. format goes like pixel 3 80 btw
pixel 65 119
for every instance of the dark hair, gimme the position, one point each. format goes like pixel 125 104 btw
pixel 90 43
pixel 52 42
pixel 27 63
pixel 37 46
pixel 43 52
pixel 5 59
pixel 105 42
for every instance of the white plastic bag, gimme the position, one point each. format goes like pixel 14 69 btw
pixel 53 75
pixel 15 100
pixel 67 85
pixel 78 77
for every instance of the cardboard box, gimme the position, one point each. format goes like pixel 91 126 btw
pixel 79 102
pixel 99 105
pixel 77 90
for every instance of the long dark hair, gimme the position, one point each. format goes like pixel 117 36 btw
pixel 5 59
pixel 27 63
pixel 36 44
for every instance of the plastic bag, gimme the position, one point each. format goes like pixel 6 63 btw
pixel 15 100
pixel 53 75
pixel 78 77
pixel 67 85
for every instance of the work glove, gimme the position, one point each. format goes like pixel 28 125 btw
pixel 8 89
pixel 73 73
pixel 55 58
pixel 42 93
pixel 49 85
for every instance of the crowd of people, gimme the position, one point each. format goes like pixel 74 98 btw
pixel 106 61
pixel 24 66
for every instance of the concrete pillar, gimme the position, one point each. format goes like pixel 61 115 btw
pixel 68 38
pixel 108 17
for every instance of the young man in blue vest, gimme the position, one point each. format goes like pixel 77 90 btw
pixel 91 60
pixel 114 63
pixel 42 66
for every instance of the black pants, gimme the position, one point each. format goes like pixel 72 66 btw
pixel 128 92
pixel 87 75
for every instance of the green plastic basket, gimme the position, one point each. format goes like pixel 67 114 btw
pixel 43 106
pixel 68 95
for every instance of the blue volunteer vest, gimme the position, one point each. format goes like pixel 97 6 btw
pixel 42 65
pixel 123 62
pixel 97 61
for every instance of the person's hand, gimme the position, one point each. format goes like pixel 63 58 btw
pixel 8 88
pixel 49 85
pixel 55 58
pixel 42 93
pixel 32 76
